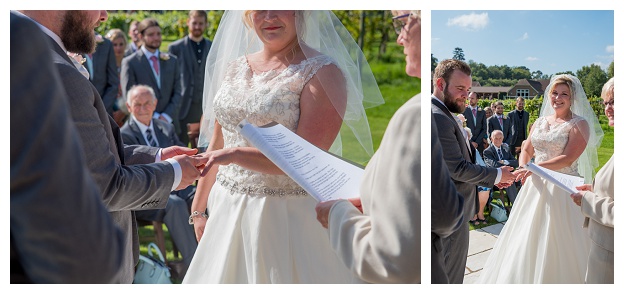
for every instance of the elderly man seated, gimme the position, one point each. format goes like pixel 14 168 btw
pixel 497 155
pixel 142 129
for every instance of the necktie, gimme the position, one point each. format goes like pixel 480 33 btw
pixel 154 60
pixel 150 139
pixel 500 154
pixel 500 121
pixel 474 112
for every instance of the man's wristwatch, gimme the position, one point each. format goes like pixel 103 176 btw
pixel 196 214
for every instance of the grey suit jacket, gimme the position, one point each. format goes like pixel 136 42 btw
pixel 466 174
pixel 447 208
pixel 383 244
pixel 491 158
pixel 105 77
pixel 136 70
pixel 519 127
pixel 598 208
pixel 60 228
pixel 479 130
pixel 192 73
pixel 165 134
pixel 493 124
pixel 124 186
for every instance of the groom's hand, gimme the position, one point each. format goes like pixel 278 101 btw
pixel 190 166
pixel 507 177
pixel 172 151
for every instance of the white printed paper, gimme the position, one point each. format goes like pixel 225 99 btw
pixel 563 181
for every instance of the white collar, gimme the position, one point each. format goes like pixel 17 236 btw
pixel 143 127
pixel 148 54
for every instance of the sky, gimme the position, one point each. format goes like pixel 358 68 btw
pixel 551 41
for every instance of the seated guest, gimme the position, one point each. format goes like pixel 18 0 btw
pixel 498 155
pixel 142 129
pixel 484 192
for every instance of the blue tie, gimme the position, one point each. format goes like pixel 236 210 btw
pixel 500 154
pixel 150 139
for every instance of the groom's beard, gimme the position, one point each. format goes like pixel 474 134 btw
pixel 76 33
pixel 449 102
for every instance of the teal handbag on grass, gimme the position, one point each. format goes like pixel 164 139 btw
pixel 498 211
pixel 151 270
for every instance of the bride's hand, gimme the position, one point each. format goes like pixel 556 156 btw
pixel 199 224
pixel 522 174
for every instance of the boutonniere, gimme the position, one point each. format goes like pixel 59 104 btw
pixel 479 109
pixel 98 38
pixel 77 57
pixel 164 56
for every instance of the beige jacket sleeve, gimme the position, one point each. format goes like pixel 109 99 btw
pixel 383 244
pixel 598 205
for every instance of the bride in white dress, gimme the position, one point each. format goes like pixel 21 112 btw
pixel 295 68
pixel 543 242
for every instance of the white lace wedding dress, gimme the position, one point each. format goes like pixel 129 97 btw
pixel 543 241
pixel 262 228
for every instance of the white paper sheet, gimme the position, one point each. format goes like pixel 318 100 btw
pixel 563 181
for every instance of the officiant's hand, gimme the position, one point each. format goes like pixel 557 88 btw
pixel 323 208
pixel 586 187
pixel 576 197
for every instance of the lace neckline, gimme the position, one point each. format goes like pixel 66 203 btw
pixel 290 66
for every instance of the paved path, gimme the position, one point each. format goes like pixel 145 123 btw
pixel 481 243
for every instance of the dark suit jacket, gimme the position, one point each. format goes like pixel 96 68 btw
pixel 123 173
pixel 447 208
pixel 493 124
pixel 491 158
pixel 165 134
pixel 60 229
pixel 192 73
pixel 105 77
pixel 479 130
pixel 136 70
pixel 519 127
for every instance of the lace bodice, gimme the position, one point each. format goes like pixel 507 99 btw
pixel 549 140
pixel 260 98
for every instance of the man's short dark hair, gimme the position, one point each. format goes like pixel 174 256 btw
pixel 446 67
pixel 146 24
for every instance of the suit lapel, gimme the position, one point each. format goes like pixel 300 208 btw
pixel 136 131
pixel 189 57
pixel 457 128
pixel 163 140
pixel 147 68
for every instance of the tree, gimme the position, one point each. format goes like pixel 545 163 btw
pixel 610 70
pixel 592 78
pixel 458 54
pixel 434 63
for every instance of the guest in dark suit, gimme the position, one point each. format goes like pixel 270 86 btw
pixel 59 225
pixel 499 121
pixel 148 66
pixel 475 120
pixel 520 121
pixel 135 41
pixel 192 51
pixel 103 72
pixel 451 83
pixel 143 129
pixel 498 155
pixel 129 177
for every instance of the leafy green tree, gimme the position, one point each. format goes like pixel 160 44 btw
pixel 458 54
pixel 610 70
pixel 434 63
pixel 592 78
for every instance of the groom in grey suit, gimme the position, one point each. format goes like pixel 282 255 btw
pixel 128 176
pixel 452 81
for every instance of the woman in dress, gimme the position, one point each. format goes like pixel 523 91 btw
pixel 119 40
pixel 542 242
pixel 303 70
